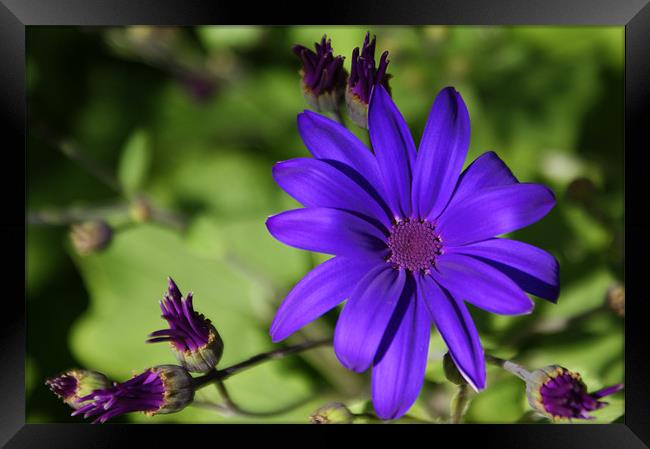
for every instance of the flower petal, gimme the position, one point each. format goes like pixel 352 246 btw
pixel 394 149
pixel 328 140
pixel 480 284
pixel 325 230
pixel 315 183
pixel 401 360
pixel 455 324
pixel 319 291
pixel 487 170
pixel 441 154
pixel 365 316
pixel 606 391
pixel 533 269
pixel 494 211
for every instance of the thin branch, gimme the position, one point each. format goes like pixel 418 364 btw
pixel 76 214
pixel 233 408
pixel 509 366
pixel 219 375
pixel 70 150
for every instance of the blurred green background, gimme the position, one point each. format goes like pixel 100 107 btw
pixel 189 121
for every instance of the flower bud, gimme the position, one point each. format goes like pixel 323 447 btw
pixel 364 76
pixel 90 236
pixel 158 390
pixel 333 413
pixel 194 340
pixel 323 76
pixel 179 391
pixel 557 393
pixel 74 384
pixel 616 299
pixel 451 371
pixel 140 210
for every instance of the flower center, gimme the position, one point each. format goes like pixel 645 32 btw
pixel 414 245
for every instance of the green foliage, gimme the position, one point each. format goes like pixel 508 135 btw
pixel 549 101
pixel 135 162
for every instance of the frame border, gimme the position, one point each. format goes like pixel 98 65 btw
pixel 15 15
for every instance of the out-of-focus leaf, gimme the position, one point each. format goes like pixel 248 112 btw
pixel 503 389
pixel 217 38
pixel 134 162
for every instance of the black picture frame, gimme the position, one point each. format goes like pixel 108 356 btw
pixel 15 15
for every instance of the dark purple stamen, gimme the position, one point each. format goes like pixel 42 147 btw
pixel 322 71
pixel 364 75
pixel 414 245
pixel 566 396
pixel 142 393
pixel 188 329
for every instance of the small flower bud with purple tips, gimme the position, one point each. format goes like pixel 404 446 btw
pixel 364 76
pixel 74 384
pixel 194 340
pixel 158 390
pixel 323 76
pixel 557 393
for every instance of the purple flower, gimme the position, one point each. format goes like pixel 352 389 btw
pixel 73 385
pixel 161 389
pixel 194 340
pixel 323 75
pixel 558 393
pixel 414 238
pixel 364 76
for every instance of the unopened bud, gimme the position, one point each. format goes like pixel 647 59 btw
pixel 333 413
pixel 140 210
pixel 90 236
pixel 364 76
pixel 74 384
pixel 194 340
pixel 616 299
pixel 557 393
pixel 323 76
pixel 452 373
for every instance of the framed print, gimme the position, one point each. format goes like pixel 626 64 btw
pixel 399 217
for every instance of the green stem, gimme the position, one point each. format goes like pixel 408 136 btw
pixel 232 407
pixel 459 404
pixel 509 366
pixel 222 374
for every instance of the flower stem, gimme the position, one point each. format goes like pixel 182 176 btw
pixel 509 366
pixel 222 374
pixel 231 406
pixel 70 150
pixel 459 404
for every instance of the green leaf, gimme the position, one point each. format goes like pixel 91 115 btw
pixel 135 162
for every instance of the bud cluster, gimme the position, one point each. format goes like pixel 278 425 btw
pixel 157 390
pixel 326 83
